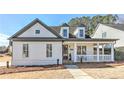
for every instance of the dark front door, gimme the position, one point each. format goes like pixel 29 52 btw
pixel 65 52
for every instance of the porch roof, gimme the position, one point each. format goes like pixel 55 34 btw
pixel 90 39
pixel 63 39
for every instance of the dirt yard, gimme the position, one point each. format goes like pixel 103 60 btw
pixel 52 72
pixel 104 70
pixel 4 58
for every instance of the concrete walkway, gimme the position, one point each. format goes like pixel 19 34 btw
pixel 77 73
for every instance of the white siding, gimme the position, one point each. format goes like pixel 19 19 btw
pixel 43 32
pixel 37 53
pixel 110 33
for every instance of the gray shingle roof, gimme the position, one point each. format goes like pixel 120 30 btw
pixel 116 26
pixel 30 25
pixel 71 30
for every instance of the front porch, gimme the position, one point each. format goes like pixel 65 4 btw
pixel 88 51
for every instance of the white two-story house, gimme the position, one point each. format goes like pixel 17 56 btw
pixel 110 31
pixel 39 44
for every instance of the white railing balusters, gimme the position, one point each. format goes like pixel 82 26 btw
pixel 93 58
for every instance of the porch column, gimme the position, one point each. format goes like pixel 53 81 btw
pixel 102 49
pixel 112 52
pixel 97 52
pixel 75 52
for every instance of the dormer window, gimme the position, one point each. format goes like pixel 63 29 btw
pixel 81 33
pixel 65 33
pixel 37 31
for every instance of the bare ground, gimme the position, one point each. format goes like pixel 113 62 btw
pixel 50 74
pixel 44 72
pixel 104 70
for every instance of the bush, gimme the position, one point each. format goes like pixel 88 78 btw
pixel 119 53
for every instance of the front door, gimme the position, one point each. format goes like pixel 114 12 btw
pixel 65 52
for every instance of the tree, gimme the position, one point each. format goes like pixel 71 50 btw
pixel 92 22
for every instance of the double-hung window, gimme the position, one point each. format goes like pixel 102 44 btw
pixel 81 33
pixel 25 50
pixel 65 33
pixel 49 50
pixel 81 50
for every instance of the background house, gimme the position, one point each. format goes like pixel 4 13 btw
pixel 110 31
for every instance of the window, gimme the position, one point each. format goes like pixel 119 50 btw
pixel 78 50
pixel 81 50
pixel 64 32
pixel 104 35
pixel 49 50
pixel 37 31
pixel 81 33
pixel 25 50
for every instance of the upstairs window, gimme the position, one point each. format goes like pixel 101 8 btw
pixel 37 31
pixel 104 34
pixel 25 50
pixel 64 32
pixel 81 34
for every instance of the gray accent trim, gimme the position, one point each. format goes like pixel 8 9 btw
pixel 30 25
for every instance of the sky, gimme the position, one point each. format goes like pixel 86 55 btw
pixel 11 23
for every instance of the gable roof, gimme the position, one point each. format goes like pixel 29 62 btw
pixel 65 25
pixel 30 25
pixel 116 26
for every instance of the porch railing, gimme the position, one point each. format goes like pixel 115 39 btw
pixel 93 58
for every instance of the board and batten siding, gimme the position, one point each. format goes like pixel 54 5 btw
pixel 111 33
pixel 43 32
pixel 37 53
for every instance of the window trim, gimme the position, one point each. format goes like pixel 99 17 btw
pixel 66 33
pixel 25 51
pixel 36 32
pixel 49 50
pixel 81 50
pixel 80 32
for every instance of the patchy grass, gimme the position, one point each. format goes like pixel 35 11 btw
pixel 104 70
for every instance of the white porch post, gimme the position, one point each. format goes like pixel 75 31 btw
pixel 112 52
pixel 102 49
pixel 75 52
pixel 97 52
